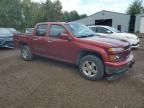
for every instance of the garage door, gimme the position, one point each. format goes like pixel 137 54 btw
pixel 142 25
pixel 107 22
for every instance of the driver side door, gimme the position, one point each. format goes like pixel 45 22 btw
pixel 59 48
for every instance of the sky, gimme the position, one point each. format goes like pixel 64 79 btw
pixel 92 6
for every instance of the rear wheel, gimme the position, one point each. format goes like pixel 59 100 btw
pixel 26 53
pixel 91 67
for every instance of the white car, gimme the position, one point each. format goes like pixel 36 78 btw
pixel 111 32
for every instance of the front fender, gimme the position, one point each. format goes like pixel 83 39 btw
pixel 95 50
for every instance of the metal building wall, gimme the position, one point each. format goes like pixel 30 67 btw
pixel 139 24
pixel 117 19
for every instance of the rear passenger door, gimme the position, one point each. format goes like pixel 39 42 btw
pixel 40 42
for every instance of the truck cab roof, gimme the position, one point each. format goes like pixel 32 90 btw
pixel 51 23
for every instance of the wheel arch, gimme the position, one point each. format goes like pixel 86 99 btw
pixel 85 53
pixel 22 44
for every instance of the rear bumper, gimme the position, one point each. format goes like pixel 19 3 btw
pixel 115 70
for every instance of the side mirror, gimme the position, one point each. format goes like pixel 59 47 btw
pixel 109 32
pixel 65 36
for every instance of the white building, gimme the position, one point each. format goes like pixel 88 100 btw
pixel 139 24
pixel 123 22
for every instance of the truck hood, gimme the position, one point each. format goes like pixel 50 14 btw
pixel 105 42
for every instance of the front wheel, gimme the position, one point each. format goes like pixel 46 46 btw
pixel 26 53
pixel 91 67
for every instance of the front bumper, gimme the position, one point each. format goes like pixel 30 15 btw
pixel 115 70
pixel 135 43
pixel 6 44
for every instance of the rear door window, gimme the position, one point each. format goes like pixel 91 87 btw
pixel 41 30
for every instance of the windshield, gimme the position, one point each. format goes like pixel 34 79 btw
pixel 5 32
pixel 80 30
pixel 114 30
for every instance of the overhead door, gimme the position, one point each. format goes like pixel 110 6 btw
pixel 142 25
pixel 107 22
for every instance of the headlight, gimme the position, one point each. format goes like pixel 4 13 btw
pixel 117 58
pixel 115 49
pixel 10 39
pixel 1 39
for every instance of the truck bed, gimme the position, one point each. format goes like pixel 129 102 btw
pixel 22 38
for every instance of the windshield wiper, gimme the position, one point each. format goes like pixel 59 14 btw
pixel 84 36
pixel 90 35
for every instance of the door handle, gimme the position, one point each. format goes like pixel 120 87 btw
pixel 50 41
pixel 35 39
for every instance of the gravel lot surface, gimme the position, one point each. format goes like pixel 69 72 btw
pixel 44 83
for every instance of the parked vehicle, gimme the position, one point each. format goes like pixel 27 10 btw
pixel 12 30
pixel 29 30
pixel 116 34
pixel 76 44
pixel 6 38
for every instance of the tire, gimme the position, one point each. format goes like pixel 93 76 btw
pixel 91 67
pixel 26 53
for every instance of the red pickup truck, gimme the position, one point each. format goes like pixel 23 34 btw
pixel 74 43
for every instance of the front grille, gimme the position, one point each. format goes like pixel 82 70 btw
pixel 127 47
pixel 127 51
pixel 9 44
pixel 1 42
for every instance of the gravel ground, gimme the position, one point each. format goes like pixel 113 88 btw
pixel 45 83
